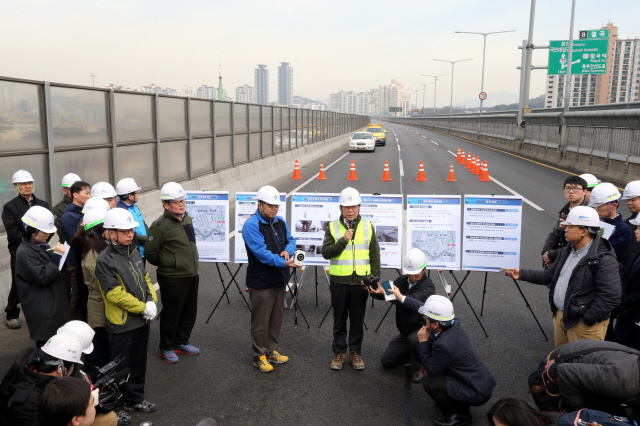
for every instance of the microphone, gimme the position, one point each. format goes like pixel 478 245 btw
pixel 347 224
pixel 122 376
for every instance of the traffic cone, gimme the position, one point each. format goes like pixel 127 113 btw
pixel 296 171
pixel 386 176
pixel 421 176
pixel 470 161
pixel 485 177
pixel 352 172
pixel 452 177
pixel 476 170
pixel 463 161
pixel 322 176
pixel 458 156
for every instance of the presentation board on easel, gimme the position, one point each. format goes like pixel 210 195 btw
pixel 385 213
pixel 246 206
pixel 310 215
pixel 209 211
pixel 492 232
pixel 433 226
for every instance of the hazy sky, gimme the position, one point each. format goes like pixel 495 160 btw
pixel 332 45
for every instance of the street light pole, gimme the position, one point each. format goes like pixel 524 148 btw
pixel 424 88
pixel 416 95
pixel 435 89
pixel 484 49
pixel 567 78
pixel 530 47
pixel 452 64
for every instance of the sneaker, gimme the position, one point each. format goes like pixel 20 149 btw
pixel 338 360
pixel 169 357
pixel 262 364
pixel 13 324
pixel 144 407
pixel 276 358
pixel 356 361
pixel 123 418
pixel 187 350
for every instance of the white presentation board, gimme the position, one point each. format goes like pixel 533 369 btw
pixel 492 232
pixel 385 213
pixel 433 226
pixel 209 211
pixel 246 206
pixel 310 215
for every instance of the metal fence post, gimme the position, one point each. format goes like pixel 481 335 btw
pixel 50 142
pixel 157 126
pixel 190 152
pixel 261 132
pixel 233 137
pixel 273 132
pixel 114 142
pixel 213 122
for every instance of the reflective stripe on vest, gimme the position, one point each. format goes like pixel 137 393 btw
pixel 355 256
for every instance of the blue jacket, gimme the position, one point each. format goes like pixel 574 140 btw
pixel 621 237
pixel 71 217
pixel 141 229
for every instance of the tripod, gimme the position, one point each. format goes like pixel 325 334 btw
pixel 295 290
pixel 226 288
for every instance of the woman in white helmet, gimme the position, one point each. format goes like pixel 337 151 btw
pixel 605 199
pixel 43 293
pixel 59 208
pixel 106 191
pixel 128 195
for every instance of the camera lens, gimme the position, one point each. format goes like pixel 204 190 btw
pixel 300 256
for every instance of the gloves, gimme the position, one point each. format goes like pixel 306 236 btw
pixel 151 311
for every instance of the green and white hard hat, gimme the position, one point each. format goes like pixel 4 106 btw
pixel 438 308
pixel 591 180
pixel 93 217
pixel 172 191
pixel 69 179
pixel 414 262
pixel 603 194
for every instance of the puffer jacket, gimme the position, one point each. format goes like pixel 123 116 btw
pixel 587 297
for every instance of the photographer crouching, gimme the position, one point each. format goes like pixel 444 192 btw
pixel 414 285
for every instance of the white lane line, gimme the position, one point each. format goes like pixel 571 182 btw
pixel 455 155
pixel 316 175
pixel 398 148
pixel 401 169
pixel 435 143
pixel 397 140
pixel 535 206
pixel 424 136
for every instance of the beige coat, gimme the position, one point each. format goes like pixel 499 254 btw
pixel 95 304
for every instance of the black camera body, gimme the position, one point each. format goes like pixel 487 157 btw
pixel 371 281
pixel 108 382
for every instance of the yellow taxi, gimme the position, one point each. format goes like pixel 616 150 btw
pixel 379 134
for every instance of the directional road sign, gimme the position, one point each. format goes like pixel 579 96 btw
pixel 589 56
pixel 591 34
pixel 482 96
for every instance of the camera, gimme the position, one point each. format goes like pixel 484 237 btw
pixel 371 281
pixel 298 257
pixel 108 381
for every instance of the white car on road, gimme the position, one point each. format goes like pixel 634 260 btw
pixel 362 141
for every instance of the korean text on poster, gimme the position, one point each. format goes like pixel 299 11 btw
pixel 246 206
pixel 311 214
pixel 385 213
pixel 492 230
pixel 433 226
pixel 209 211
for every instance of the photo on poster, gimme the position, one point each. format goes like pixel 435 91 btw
pixel 438 246
pixel 311 214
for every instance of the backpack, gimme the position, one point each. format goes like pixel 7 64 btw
pixel 619 310
pixel 7 388
pixel 592 417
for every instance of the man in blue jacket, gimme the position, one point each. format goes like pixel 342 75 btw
pixel 128 193
pixel 270 247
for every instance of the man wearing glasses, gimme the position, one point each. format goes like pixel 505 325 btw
pixel 171 246
pixel 128 193
pixel 575 189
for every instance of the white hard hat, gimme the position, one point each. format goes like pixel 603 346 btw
pixel 603 193
pixel 103 190
pixel 415 261
pixel 127 186
pixel 40 218
pixel 172 191
pixel 95 203
pixel 269 195
pixel 82 331
pixel 591 180
pixel 65 346
pixel 94 217
pixel 119 219
pixel 350 197
pixel 582 216
pixel 438 308
pixel 22 176
pixel 69 179
pixel 632 190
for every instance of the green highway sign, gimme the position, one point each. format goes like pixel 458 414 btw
pixel 594 34
pixel 589 56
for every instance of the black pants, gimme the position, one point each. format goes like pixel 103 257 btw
pixel 179 310
pixel 349 301
pixel 100 355
pixel 436 387
pixel 401 350
pixel 12 309
pixel 132 345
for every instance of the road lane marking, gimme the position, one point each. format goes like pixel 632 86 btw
pixel 316 175
pixel 401 169
pixel 435 143
pixel 423 136
pixel 398 148
pixel 455 155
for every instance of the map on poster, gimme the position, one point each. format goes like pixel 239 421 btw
pixel 209 211
pixel 385 213
pixel 492 230
pixel 433 226
pixel 246 205
pixel 310 215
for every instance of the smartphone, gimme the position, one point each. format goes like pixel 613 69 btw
pixel 503 270
pixel 388 286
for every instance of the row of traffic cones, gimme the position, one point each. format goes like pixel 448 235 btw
pixel 386 174
pixel 473 164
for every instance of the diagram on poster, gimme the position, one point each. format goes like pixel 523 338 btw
pixel 492 230
pixel 310 216
pixel 433 226
pixel 209 211
pixel 385 213
pixel 246 206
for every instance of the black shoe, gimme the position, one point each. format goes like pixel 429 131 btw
pixel 144 407
pixel 454 420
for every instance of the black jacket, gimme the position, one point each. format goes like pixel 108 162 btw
pixel 634 245
pixel 621 237
pixel 12 213
pixel 407 320
pixel 71 218
pixel 23 407
pixel 627 331
pixel 555 241
pixel 43 294
pixel 588 297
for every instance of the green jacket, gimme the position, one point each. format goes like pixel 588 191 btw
pixel 95 303
pixel 332 248
pixel 57 211
pixel 125 287
pixel 171 246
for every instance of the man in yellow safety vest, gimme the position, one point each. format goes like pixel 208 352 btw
pixel 352 247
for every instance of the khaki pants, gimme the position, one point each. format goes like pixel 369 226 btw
pixel 578 331
pixel 109 419
pixel 267 309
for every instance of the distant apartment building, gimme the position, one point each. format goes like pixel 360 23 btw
pixel 151 89
pixel 246 94
pixel 392 96
pixel 210 92
pixel 261 80
pixel 285 84
pixel 350 102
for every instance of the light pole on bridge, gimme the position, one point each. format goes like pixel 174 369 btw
pixel 424 88
pixel 435 89
pixel 452 64
pixel 416 95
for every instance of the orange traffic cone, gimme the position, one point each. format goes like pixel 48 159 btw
pixel 470 161
pixel 452 177
pixel 421 176
pixel 485 177
pixel 458 156
pixel 322 176
pixel 352 172
pixel 386 176
pixel 296 171
pixel 476 170
pixel 463 161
